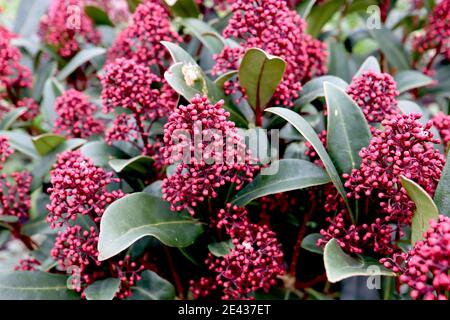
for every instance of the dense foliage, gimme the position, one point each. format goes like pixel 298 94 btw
pixel 226 149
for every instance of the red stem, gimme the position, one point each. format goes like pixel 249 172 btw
pixel 175 276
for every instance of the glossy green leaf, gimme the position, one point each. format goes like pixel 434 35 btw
pixel 347 132
pixel 52 89
pixel 100 152
pixel 220 249
pixel 8 219
pixel 34 285
pixel 138 215
pixel 304 8
pixel 260 74
pixel 201 31
pixel 309 243
pixel 28 16
pixel 321 14
pixel 141 164
pixel 183 8
pixel 340 266
pixel 102 289
pixel 314 89
pixel 154 189
pixel 370 64
pixel 9 118
pixel 339 61
pixel 442 195
pixel 21 142
pixel 425 209
pixel 133 4
pixel 178 54
pixel 411 79
pixel 152 287
pixel 47 142
pixel 220 81
pixel 308 132
pixel 98 16
pixel 80 58
pixel 392 48
pixel 187 80
pixel 292 174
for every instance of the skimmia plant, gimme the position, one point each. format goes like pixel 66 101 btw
pixel 226 149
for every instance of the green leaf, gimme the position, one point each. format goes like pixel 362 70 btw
pixel 411 79
pixel 203 31
pixel 340 266
pixel 47 142
pixel 102 289
pixel 442 195
pixel 34 285
pixel 133 4
pixel 152 287
pixel 220 81
pixel 140 164
pixel 392 48
pixel 220 249
pixel 98 16
pixel 321 14
pixel 183 8
pixel 100 153
pixel 8 119
pixel 260 74
pixel 8 219
pixel 313 89
pixel 81 58
pixel 187 80
pixel 28 16
pixel 425 209
pixel 347 132
pixel 370 64
pixel 339 61
pixel 304 8
pixel 52 89
pixel 21 142
pixel 154 189
pixel 138 215
pixel 292 174
pixel 309 243
pixel 308 132
pixel 178 54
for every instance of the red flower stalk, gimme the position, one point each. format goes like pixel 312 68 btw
pixel 203 167
pixel 76 115
pixel 426 268
pixel 65 27
pixel 141 40
pixel 270 25
pixel 442 123
pixel 405 147
pixel 375 93
pixel 78 188
pixel 255 262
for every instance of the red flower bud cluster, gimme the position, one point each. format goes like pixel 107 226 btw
pixel 141 40
pixel 442 123
pixel 66 27
pixel 5 150
pixel 76 115
pixel 78 188
pixel 375 93
pixel 15 197
pixel 255 261
pixel 405 147
pixel 127 86
pixel 270 25
pixel 28 264
pixel 426 268
pixel 202 167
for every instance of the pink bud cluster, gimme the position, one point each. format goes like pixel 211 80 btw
pixel 116 10
pixel 13 75
pixel 141 40
pixel 442 123
pixel 15 197
pixel 375 93
pixel 203 287
pixel 256 260
pixel 405 147
pixel 127 87
pixel 66 27
pixel 5 150
pixel 76 115
pixel 426 267
pixel 436 33
pixel 32 108
pixel 199 178
pixel 28 264
pixel 270 25
pixel 78 188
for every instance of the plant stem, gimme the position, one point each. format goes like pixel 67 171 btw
pixel 175 276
